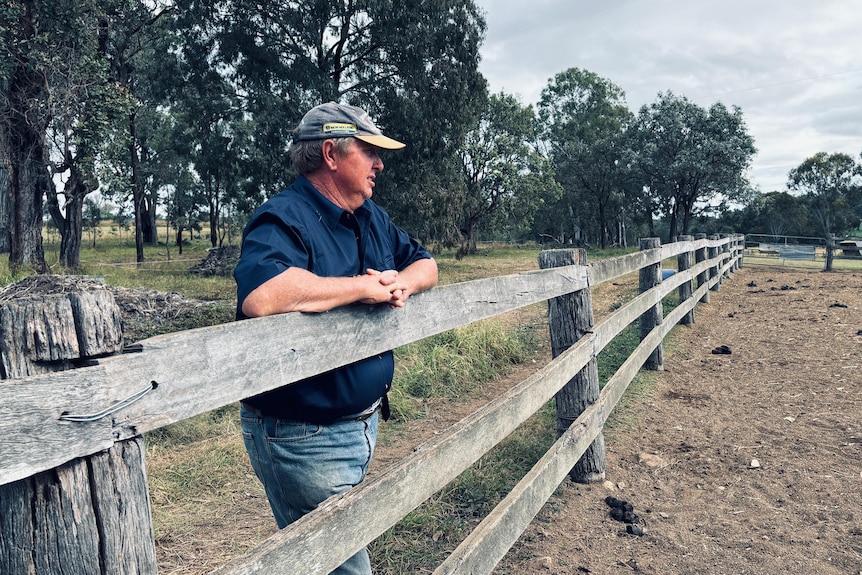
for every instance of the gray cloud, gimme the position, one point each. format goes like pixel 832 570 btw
pixel 792 66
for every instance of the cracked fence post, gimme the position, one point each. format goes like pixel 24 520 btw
pixel 92 514
pixel 570 317
pixel 648 278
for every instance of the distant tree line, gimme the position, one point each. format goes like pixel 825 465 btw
pixel 185 108
pixel 823 198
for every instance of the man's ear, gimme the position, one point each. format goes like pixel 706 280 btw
pixel 330 154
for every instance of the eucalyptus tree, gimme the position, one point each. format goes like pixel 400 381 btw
pixel 62 94
pixel 209 129
pixel 585 118
pixel 692 159
pixel 778 214
pixel 412 65
pixel 435 99
pixel 505 177
pixel 832 192
pixel 182 203
pixel 126 38
pixel 92 218
pixel 137 157
pixel 33 34
pixel 784 215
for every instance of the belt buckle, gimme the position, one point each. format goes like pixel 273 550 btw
pixel 363 415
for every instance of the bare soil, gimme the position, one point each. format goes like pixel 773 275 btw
pixel 741 463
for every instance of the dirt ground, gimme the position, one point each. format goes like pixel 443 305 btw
pixel 741 463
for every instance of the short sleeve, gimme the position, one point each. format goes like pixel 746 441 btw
pixel 269 247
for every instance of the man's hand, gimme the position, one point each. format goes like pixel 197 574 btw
pixel 395 290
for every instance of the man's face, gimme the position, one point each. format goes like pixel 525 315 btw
pixel 355 173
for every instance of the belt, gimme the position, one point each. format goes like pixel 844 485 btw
pixel 381 405
pixel 363 415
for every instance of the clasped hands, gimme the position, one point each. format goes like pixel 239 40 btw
pixel 387 287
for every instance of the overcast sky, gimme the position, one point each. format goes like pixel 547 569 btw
pixel 794 67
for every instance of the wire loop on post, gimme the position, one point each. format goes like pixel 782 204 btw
pixel 66 416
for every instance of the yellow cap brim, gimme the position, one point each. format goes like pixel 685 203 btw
pixel 381 141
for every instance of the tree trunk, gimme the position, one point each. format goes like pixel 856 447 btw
pixel 603 228
pixel 72 233
pixel 23 156
pixel 26 181
pixel 137 190
pixel 214 233
pixel 468 239
pixel 673 223
pixel 29 182
pixel 151 228
pixel 212 193
pixel 5 210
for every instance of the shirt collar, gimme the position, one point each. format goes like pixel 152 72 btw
pixel 327 210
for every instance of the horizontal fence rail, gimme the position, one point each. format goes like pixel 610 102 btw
pixel 180 365
pixel 229 362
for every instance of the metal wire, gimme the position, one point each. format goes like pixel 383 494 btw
pixel 65 416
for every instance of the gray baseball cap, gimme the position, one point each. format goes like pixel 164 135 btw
pixel 333 120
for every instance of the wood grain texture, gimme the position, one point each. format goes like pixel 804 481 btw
pixel 570 317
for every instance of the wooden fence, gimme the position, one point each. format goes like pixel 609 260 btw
pixel 49 421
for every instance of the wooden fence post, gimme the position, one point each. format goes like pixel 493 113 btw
pixel 570 317
pixel 91 515
pixel 700 255
pixel 713 270
pixel 830 252
pixel 683 262
pixel 649 277
pixel 735 251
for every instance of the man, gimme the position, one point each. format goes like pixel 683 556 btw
pixel 320 244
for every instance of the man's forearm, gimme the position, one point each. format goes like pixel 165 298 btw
pixel 419 276
pixel 296 289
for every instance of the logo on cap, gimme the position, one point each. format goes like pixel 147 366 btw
pixel 334 128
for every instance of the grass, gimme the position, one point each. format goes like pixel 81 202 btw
pixel 425 536
pixel 497 260
pixel 454 363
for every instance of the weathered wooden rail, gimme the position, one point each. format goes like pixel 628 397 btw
pixel 177 376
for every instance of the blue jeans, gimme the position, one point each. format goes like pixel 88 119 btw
pixel 302 464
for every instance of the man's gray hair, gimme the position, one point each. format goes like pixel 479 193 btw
pixel 307 155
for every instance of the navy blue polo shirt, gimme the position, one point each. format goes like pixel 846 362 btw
pixel 300 227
